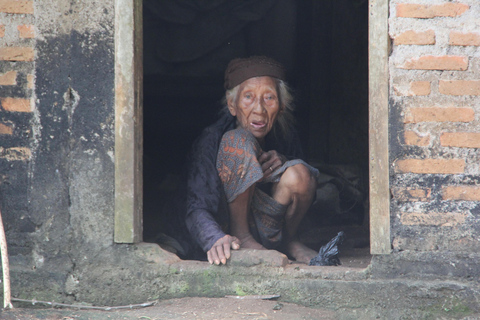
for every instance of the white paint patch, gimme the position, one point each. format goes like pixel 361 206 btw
pixel 90 152
pixel 38 259
pixel 111 155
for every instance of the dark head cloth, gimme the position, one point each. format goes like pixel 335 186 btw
pixel 242 69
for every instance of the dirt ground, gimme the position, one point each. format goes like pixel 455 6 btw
pixel 185 308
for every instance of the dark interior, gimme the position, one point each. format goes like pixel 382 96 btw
pixel 324 46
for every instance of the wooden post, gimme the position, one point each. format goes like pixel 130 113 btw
pixel 380 242
pixel 128 121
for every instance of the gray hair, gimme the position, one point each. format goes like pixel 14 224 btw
pixel 285 120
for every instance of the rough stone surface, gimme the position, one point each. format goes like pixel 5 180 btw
pixel 249 258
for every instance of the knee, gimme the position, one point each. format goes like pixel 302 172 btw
pixel 299 179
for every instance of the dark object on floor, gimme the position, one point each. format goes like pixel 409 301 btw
pixel 328 254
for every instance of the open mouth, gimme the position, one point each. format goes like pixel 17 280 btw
pixel 258 124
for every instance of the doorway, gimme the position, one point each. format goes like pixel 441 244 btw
pixel 324 46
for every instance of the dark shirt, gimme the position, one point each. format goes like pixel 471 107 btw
pixel 206 212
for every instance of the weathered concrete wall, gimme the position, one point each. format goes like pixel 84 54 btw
pixel 75 119
pixel 57 126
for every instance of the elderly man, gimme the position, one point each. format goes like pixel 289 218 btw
pixel 247 187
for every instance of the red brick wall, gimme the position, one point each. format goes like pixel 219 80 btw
pixel 17 53
pixel 435 94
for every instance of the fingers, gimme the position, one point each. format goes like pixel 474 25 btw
pixel 235 243
pixel 270 166
pixel 216 255
pixel 212 256
pixel 267 160
pixel 226 252
pixel 209 256
pixel 220 251
pixel 221 255
pixel 270 161
pixel 264 157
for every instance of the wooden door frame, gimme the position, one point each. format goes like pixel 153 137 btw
pixel 129 124
pixel 378 51
pixel 128 121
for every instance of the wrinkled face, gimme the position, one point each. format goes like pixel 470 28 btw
pixel 257 106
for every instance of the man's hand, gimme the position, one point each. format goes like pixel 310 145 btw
pixel 270 161
pixel 220 251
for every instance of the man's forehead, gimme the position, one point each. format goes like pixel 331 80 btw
pixel 259 82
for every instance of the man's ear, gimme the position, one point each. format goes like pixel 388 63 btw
pixel 231 108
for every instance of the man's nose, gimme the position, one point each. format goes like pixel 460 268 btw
pixel 259 106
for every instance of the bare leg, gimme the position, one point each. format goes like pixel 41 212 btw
pixel 296 189
pixel 239 209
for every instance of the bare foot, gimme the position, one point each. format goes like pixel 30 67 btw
pixel 248 242
pixel 300 252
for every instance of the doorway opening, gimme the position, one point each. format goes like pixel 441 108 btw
pixel 324 46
